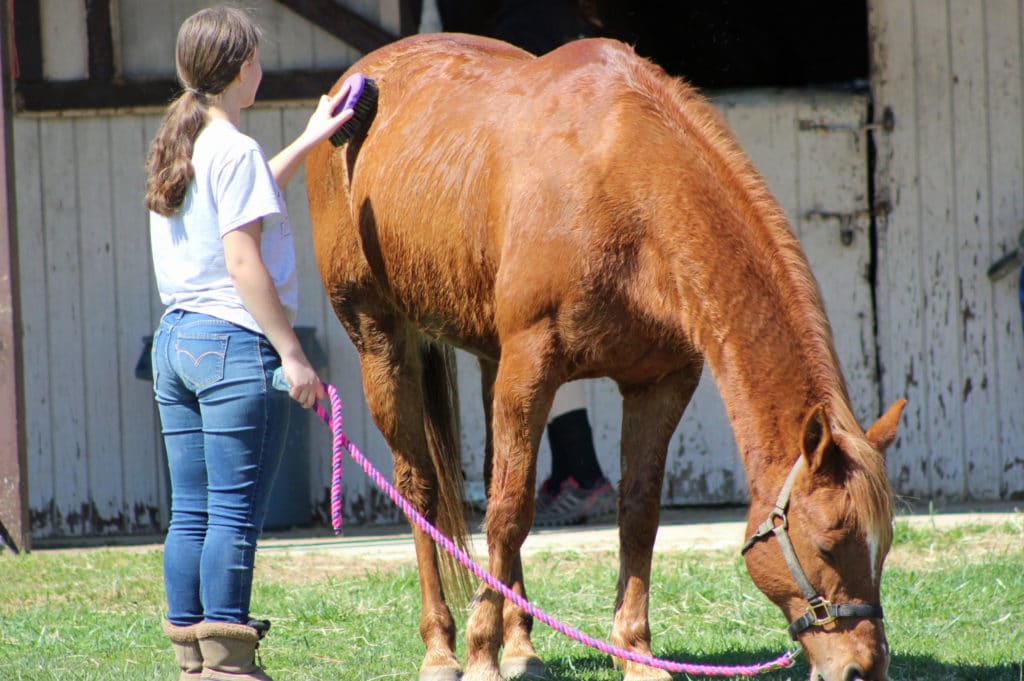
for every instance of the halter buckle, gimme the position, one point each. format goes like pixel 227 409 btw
pixel 821 608
pixel 780 515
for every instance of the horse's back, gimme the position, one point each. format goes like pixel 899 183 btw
pixel 482 164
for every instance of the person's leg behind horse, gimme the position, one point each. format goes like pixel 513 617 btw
pixel 576 490
pixel 650 415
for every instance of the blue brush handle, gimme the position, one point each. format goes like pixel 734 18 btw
pixel 279 382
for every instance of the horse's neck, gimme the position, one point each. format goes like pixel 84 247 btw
pixel 763 333
pixel 767 392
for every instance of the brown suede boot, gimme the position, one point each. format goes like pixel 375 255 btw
pixel 186 650
pixel 229 652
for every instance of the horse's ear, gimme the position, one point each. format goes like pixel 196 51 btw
pixel 815 437
pixel 883 431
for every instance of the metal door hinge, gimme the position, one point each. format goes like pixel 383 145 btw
pixel 887 124
pixel 849 219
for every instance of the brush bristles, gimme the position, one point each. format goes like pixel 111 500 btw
pixel 364 110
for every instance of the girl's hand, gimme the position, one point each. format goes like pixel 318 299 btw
pixel 326 119
pixel 304 386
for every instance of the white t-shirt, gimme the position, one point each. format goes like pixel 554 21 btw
pixel 232 187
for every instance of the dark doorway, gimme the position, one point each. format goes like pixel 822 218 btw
pixel 712 43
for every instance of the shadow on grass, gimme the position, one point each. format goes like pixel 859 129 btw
pixel 596 665
pixel 920 668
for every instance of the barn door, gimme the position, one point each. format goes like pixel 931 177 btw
pixel 811 148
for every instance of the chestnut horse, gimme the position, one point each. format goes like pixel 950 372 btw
pixel 584 214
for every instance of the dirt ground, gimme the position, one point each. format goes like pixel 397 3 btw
pixel 313 552
pixel 317 553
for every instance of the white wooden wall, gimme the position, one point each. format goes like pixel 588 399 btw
pixel 953 170
pixel 948 339
pixel 87 292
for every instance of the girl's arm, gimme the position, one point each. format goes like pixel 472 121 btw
pixel 256 288
pixel 322 124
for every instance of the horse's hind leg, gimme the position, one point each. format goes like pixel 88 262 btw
pixel 519 658
pixel 649 417
pixel 522 397
pixel 391 368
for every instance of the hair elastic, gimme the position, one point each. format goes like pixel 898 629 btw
pixel 197 93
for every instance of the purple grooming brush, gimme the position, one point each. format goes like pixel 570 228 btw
pixel 362 99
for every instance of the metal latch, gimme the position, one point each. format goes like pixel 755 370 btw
pixel 887 124
pixel 848 220
pixel 1009 262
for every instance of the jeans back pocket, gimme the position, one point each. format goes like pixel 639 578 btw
pixel 200 358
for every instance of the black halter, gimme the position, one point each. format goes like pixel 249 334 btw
pixel 820 610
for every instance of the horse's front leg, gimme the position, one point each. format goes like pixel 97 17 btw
pixel 649 417
pixel 522 394
pixel 519 659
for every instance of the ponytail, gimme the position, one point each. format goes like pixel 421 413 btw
pixel 211 47
pixel 169 162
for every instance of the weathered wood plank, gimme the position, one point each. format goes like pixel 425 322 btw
pixel 66 324
pixel 151 124
pixel 35 328
pixel 1005 146
pixel 64 45
pixel 104 497
pixel 972 227
pixel 938 249
pixel 141 451
pixel 901 277
pixel 148 52
pixel 833 214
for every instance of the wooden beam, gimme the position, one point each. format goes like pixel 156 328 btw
pixel 101 40
pixel 14 523
pixel 28 40
pixel 91 95
pixel 342 23
pixel 411 12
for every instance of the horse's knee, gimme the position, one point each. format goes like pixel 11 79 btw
pixel 508 521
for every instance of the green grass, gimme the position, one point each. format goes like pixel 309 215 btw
pixel 954 602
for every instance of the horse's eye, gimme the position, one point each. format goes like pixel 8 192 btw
pixel 827 555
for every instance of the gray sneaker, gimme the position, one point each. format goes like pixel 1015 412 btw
pixel 573 505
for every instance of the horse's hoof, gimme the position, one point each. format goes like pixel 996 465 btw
pixel 440 674
pixel 524 668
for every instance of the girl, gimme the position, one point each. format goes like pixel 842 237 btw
pixel 225 268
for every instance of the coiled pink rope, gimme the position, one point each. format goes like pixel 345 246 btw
pixel 342 443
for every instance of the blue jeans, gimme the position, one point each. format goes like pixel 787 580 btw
pixel 224 429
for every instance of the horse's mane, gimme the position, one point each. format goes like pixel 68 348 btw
pixel 867 480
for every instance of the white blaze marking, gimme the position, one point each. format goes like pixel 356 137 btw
pixel 872 540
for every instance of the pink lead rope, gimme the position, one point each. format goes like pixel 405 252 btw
pixel 342 443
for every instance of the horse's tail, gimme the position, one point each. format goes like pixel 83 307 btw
pixel 440 422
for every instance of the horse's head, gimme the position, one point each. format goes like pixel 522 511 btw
pixel 818 552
